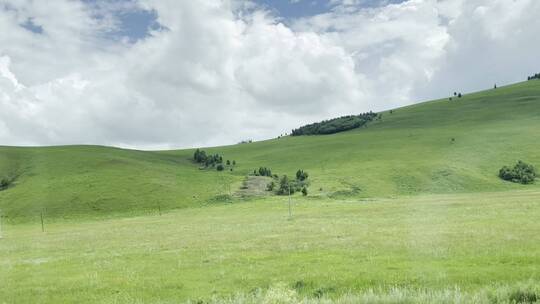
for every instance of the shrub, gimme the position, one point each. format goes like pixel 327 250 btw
pixel 304 191
pixel 199 156
pixel 285 186
pixel 521 173
pixel 301 175
pixel 296 185
pixel 263 171
pixel 335 125
pixel 4 183
pixel 271 186
pixel 220 167
pixel 208 160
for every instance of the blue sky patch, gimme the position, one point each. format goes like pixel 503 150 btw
pixel 290 9
pixel 136 25
pixel 132 22
pixel 32 27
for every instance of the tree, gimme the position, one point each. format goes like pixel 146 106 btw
pixel 304 191
pixel 285 186
pixel 220 167
pixel 521 173
pixel 263 171
pixel 234 163
pixel 301 175
pixel 271 186
pixel 459 95
pixel 228 162
pixel 200 156
pixel 335 125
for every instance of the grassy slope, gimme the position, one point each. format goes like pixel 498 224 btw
pixel 434 242
pixel 438 216
pixel 409 152
pixel 100 181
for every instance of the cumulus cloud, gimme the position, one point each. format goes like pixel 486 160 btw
pixel 217 72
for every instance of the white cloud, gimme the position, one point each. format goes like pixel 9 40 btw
pixel 221 73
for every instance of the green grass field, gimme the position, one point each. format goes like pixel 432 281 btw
pixel 397 204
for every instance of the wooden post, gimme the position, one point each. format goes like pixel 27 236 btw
pixel 42 226
pixel 290 212
pixel 229 185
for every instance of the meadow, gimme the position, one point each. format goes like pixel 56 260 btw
pixel 327 248
pixel 409 207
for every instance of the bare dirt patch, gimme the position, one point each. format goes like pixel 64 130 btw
pixel 254 186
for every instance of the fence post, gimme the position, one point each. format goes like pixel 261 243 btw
pixel 42 226
pixel 290 212
pixel 0 224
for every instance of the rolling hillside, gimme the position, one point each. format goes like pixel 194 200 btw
pixel 408 152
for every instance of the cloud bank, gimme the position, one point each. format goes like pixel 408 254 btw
pixel 217 72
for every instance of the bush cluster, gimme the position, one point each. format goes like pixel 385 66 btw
pixel 4 183
pixel 301 175
pixel 211 160
pixel 335 125
pixel 263 171
pixel 299 184
pixel 521 173
pixel 535 76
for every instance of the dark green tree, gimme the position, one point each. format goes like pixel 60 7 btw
pixel 285 186
pixel 301 175
pixel 521 173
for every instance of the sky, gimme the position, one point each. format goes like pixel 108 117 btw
pixel 163 74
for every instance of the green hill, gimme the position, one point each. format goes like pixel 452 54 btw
pixel 397 212
pixel 435 147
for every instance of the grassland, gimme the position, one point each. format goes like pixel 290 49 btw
pixel 408 152
pixel 436 242
pixel 397 204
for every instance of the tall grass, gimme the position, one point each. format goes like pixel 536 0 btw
pixel 528 292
